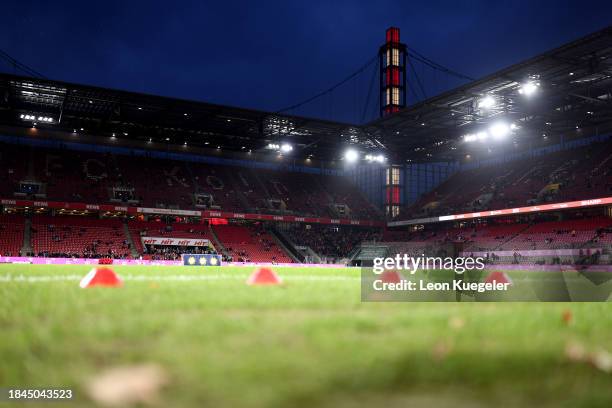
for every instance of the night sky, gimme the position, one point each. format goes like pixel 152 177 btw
pixel 266 55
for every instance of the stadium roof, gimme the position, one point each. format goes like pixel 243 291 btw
pixel 574 93
pixel 143 117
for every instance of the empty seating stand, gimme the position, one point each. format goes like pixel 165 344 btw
pixel 250 244
pixel 90 177
pixel 78 237
pixel 11 235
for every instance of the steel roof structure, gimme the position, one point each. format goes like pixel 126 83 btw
pixel 575 93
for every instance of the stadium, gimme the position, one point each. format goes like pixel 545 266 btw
pixel 161 251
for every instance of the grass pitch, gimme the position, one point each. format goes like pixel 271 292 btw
pixel 310 342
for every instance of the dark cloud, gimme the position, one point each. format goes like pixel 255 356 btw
pixel 265 54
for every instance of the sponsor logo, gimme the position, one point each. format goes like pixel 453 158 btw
pixel 590 202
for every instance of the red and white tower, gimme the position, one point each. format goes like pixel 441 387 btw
pixel 392 73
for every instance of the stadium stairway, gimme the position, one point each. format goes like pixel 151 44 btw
pixel 511 237
pixel 130 240
pixel 244 202
pixel 328 196
pixel 262 186
pixel 365 254
pixel 218 245
pixel 286 245
pixel 307 254
pixel 27 237
pixel 314 257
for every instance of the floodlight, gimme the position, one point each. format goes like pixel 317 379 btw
pixel 286 148
pixel 499 130
pixel 487 102
pixel 529 88
pixel 351 155
pixel 378 158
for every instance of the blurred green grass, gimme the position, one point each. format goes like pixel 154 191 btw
pixel 305 343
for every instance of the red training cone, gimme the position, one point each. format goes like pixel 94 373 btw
pixel 101 277
pixel 263 276
pixel 391 277
pixel 499 277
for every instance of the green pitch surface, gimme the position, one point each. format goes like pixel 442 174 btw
pixel 309 342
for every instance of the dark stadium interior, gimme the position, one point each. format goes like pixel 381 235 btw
pixel 179 165
pixel 306 204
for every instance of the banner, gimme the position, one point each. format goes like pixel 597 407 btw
pixel 187 213
pixel 196 242
pixel 507 211
pixel 168 211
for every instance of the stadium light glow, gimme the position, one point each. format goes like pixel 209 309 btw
pixel 375 158
pixel 273 146
pixel 499 130
pixel 32 118
pixel 286 148
pixel 470 137
pixel 529 88
pixel 487 102
pixel 351 155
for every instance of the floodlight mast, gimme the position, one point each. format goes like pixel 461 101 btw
pixel 392 73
